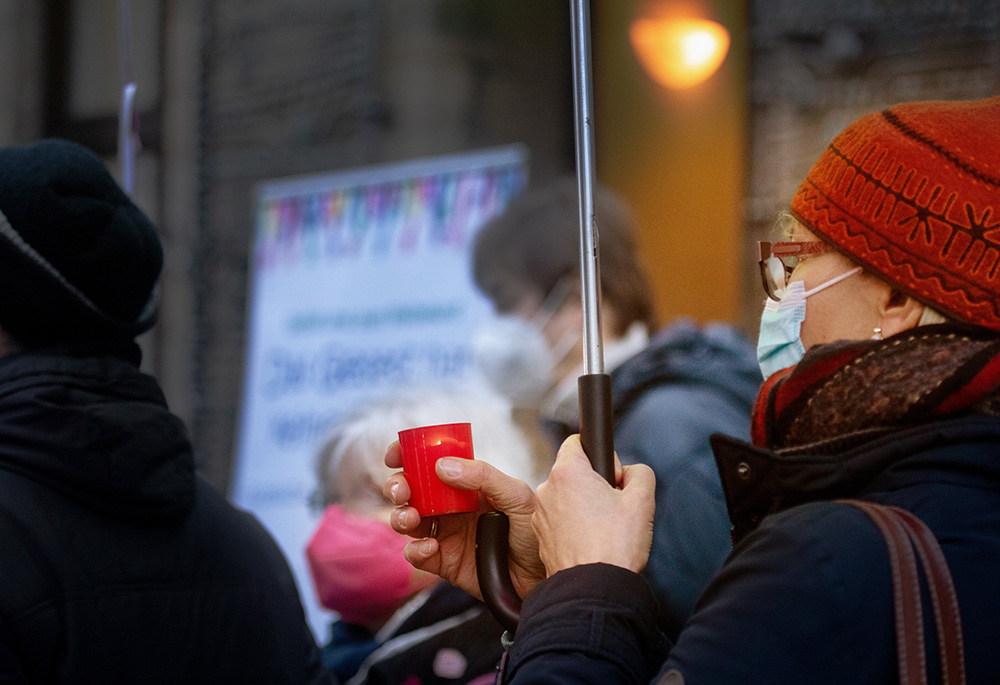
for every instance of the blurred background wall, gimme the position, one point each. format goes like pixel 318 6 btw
pixel 232 93
pixel 678 156
pixel 817 66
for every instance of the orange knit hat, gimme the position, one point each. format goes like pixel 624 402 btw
pixel 913 194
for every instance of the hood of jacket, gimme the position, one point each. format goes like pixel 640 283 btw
pixel 758 481
pixel 714 355
pixel 96 430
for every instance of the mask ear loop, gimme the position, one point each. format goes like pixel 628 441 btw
pixel 832 281
pixel 552 303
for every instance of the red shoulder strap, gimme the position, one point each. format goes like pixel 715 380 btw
pixel 908 539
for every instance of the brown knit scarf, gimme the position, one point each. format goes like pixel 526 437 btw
pixel 859 388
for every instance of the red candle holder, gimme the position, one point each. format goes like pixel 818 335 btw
pixel 421 448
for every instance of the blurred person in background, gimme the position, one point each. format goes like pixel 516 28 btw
pixel 880 341
pixel 669 392
pixel 120 564
pixel 397 624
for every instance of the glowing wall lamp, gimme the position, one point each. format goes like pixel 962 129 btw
pixel 678 51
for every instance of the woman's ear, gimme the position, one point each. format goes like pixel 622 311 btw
pixel 898 312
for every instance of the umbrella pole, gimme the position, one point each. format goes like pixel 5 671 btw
pixel 594 385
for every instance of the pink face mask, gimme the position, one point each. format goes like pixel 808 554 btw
pixel 358 567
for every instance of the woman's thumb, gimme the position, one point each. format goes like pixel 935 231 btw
pixel 508 494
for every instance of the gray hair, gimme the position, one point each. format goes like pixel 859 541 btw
pixel 350 461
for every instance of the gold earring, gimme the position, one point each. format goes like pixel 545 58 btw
pixel 878 334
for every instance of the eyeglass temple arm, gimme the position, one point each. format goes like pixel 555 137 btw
pixel 796 248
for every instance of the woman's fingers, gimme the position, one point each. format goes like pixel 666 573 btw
pixel 393 456
pixel 419 552
pixel 396 489
pixel 639 494
pixel 572 462
pixel 638 478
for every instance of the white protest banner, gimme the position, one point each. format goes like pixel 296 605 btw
pixel 361 282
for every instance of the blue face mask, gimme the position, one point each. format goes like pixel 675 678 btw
pixel 779 344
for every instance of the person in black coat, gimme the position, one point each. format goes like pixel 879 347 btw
pixel 120 564
pixel 881 347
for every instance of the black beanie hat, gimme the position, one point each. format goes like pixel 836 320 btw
pixel 78 260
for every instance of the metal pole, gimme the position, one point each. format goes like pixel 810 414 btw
pixel 594 386
pixel 596 434
pixel 590 270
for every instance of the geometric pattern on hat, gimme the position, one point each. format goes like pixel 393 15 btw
pixel 913 194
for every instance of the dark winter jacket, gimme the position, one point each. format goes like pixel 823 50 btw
pixel 687 384
pixel 443 637
pixel 119 564
pixel 807 595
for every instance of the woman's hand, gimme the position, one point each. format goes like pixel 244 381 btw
pixel 452 554
pixel 580 519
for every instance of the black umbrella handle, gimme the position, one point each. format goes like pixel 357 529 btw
pixel 493 528
pixel 499 595
pixel 596 425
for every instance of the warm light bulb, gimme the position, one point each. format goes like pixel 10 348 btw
pixel 679 53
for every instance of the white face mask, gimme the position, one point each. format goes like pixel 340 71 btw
pixel 514 355
pixel 779 344
pixel 515 358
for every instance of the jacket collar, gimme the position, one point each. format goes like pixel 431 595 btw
pixel 758 481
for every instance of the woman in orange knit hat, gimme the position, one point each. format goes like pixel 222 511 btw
pixel 866 513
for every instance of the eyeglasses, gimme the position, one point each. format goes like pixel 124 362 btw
pixel 778 261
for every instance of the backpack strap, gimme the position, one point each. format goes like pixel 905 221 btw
pixel 908 539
